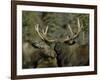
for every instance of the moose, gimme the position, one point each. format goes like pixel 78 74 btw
pixel 65 52
pixel 42 56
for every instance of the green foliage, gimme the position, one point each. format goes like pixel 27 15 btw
pixel 57 23
pixel 30 19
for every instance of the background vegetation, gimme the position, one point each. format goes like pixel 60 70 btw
pixel 57 23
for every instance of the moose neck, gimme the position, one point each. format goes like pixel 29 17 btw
pixel 58 50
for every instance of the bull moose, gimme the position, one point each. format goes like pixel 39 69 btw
pixel 65 52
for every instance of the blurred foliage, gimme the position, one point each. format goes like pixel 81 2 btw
pixel 57 23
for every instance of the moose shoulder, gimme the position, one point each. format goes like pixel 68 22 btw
pixel 74 55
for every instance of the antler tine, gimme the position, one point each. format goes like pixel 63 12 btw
pixel 79 29
pixel 45 31
pixel 69 38
pixel 70 30
pixel 37 30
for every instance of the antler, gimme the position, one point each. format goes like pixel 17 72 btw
pixel 37 30
pixel 43 34
pixel 70 30
pixel 72 34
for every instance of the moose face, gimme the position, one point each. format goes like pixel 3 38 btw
pixel 38 55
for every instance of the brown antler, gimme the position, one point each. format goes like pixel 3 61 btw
pixel 43 34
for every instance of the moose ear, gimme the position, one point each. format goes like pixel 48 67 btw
pixel 71 42
pixel 33 45
pixel 38 44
